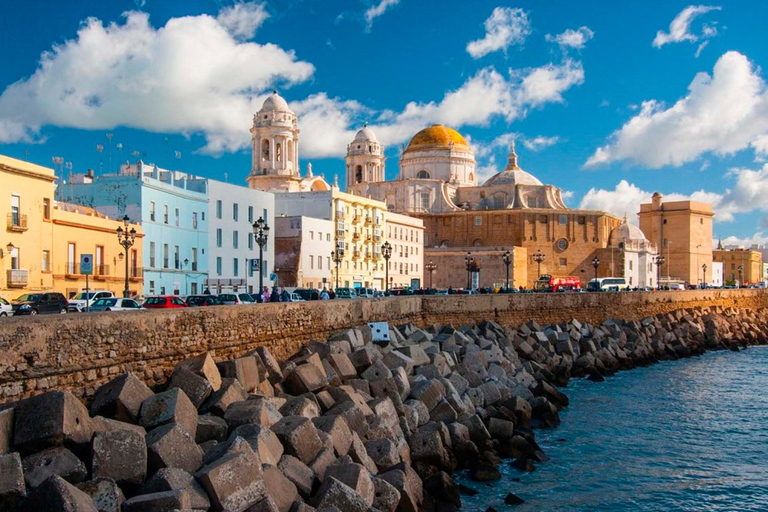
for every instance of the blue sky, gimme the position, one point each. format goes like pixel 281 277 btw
pixel 608 100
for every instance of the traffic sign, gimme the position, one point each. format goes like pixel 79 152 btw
pixel 86 264
pixel 273 277
pixel 255 265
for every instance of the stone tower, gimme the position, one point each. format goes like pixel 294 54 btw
pixel 365 159
pixel 275 139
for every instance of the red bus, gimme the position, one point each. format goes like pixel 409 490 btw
pixel 547 283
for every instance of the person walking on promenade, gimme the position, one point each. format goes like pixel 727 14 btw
pixel 275 297
pixel 265 294
pixel 324 295
pixel 284 295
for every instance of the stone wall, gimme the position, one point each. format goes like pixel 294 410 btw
pixel 80 352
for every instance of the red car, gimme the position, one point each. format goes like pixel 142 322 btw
pixel 164 302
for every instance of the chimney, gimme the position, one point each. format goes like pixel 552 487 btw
pixel 89 173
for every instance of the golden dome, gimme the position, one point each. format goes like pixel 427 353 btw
pixel 437 136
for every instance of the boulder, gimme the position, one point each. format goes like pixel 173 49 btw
pixel 299 473
pixel 443 489
pixel 259 411
pixel 356 477
pixel 6 430
pixel 172 406
pixel 244 369
pixel 51 419
pixel 359 453
pixel 300 406
pixel 305 378
pixel 56 494
pixel 233 482
pixel 320 464
pixel 230 392
pixel 274 373
pixel 12 487
pixel 58 461
pixel 210 427
pixel 120 455
pixel 171 446
pixel 408 483
pixel 336 426
pixel 299 437
pixel 280 488
pixel 383 453
pixel 196 387
pixel 165 501
pixel 262 440
pixel 121 398
pixel 336 494
pixel 105 493
pixel 205 366
pixel 343 366
pixel 172 479
pixel 386 497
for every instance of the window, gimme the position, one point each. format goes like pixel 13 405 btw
pixel 582 220
pixel 478 220
pixel 151 254
pixel 177 217
pixel 151 287
pixel 202 215
pixel 152 211
pixel 194 258
pixel 311 262
pixel 234 212
pixel 165 255
pixel 235 267
pixel 194 220
pixel 264 269
pixel 218 265
pixel 250 214
pixel 630 265
pixel 71 255
pixel 424 200
pixel 46 208
pixel 46 261
pixel 218 237
pixel 218 208
pixel 664 221
pixel 176 262
pixel 563 262
pixel 327 237
pixel 15 259
pixel 99 263
pixel 234 240
pixel 165 213
pixel 563 220
pixel 319 263
pixel 328 261
pixel 422 175
pixel 311 235
pixel 250 240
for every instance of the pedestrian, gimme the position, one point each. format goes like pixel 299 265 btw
pixel 275 296
pixel 314 295
pixel 265 294
pixel 324 295
pixel 284 295
pixel 332 293
pixel 450 290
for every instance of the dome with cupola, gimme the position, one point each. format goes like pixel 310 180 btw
pixel 275 102
pixel 437 136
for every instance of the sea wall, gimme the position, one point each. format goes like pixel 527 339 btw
pixel 80 352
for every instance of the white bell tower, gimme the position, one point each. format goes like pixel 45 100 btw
pixel 365 158
pixel 275 139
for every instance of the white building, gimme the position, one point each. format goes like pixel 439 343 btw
pixel 303 248
pixel 406 235
pixel 716 275
pixel 231 246
pixel 637 255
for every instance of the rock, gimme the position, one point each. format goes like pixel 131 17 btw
pixel 262 440
pixel 102 424
pixel 266 505
pixel 12 487
pixel 386 497
pixel 274 373
pixel 120 455
pixel 6 430
pixel 172 479
pixel 120 398
pixel 299 473
pixel 230 392
pixel 171 446
pixel 51 419
pixel 359 453
pixel 336 494
pixel 595 377
pixel 244 369
pixel 165 501
pixel 468 491
pixel 196 387
pixel 427 447
pixel 233 482
pixel 501 429
pixel 247 412
pixel 280 488
pixel 299 437
pixel 513 499
pixel 320 465
pixel 205 366
pixel 523 464
pixel 343 366
pixel 305 378
pixel 337 428
pixel 408 483
pixel 299 406
pixel 172 406
pixel 106 495
pixel 210 427
pixel 394 359
pixel 230 446
pixel 56 494
pixel 59 461
pixel 443 489
pixel 484 472
pixel 383 453
pixel 377 371
pixel 356 477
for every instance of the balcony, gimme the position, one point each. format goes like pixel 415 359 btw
pixel 17 278
pixel 136 274
pixel 356 254
pixel 368 220
pixel 17 222
pixel 101 271
pixel 368 237
pixel 340 214
pixel 355 236
pixel 357 218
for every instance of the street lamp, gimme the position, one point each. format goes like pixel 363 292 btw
pixel 430 267
pixel 741 269
pixel 595 264
pixel 704 276
pixel 184 264
pixel 659 262
pixel 261 234
pixel 337 256
pixel 468 261
pixel 538 258
pixel 386 252
pixel 507 259
pixel 126 239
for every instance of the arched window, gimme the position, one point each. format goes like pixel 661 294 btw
pixel 422 175
pixel 265 149
pixel 444 243
pixel 359 174
pixel 278 152
pixel 477 243
pixel 471 176
pixel 289 149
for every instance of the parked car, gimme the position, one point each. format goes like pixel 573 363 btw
pixel 399 291
pixel 203 300
pixel 115 304
pixel 295 297
pixel 5 308
pixel 346 293
pixel 79 302
pixel 164 302
pixel 305 293
pixel 247 298
pixel 230 299
pixel 367 293
pixel 40 304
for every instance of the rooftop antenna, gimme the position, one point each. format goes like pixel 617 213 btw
pixel 100 150
pixel 109 138
pixel 68 166
pixel 26 155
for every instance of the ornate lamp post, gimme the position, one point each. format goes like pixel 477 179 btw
pixel 430 267
pixel 261 234
pixel 126 239
pixel 386 252
pixel 659 262
pixel 507 259
pixel 741 270
pixel 337 256
pixel 704 276
pixel 468 261
pixel 538 258
pixel 595 264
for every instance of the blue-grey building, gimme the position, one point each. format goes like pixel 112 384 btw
pixel 172 208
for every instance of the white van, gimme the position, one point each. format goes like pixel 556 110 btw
pixel 366 293
pixel 607 284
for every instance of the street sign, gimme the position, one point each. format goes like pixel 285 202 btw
pixel 273 277
pixel 255 265
pixel 86 264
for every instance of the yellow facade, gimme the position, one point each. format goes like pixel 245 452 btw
pixel 26 202
pixel 80 230
pixel 360 227
pixel 740 266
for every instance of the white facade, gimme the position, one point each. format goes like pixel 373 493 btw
pixel 304 251
pixel 716 275
pixel 637 255
pixel 406 235
pixel 231 246
pixel 365 158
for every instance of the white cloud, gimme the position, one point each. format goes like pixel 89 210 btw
pixel 572 38
pixel 505 27
pixel 190 76
pixel 325 124
pixel 700 48
pixel 723 113
pixel 377 10
pixel 243 19
pixel 547 83
pixel 540 142
pixel 680 28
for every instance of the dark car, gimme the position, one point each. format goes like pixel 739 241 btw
pixel 40 304
pixel 306 293
pixel 203 300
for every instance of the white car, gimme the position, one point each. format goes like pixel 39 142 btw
pixel 5 308
pixel 295 297
pixel 78 303
pixel 115 304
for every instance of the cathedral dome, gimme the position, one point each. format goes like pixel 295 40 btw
pixel 437 136
pixel 275 102
pixel 626 232
pixel 512 173
pixel 366 134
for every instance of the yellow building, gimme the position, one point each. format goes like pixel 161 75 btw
pixel 79 230
pixel 740 266
pixel 406 236
pixel 26 243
